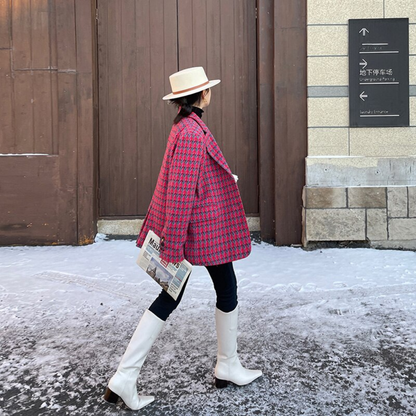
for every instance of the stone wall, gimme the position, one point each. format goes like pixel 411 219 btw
pixel 380 216
pixel 360 182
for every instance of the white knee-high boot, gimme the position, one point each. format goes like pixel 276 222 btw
pixel 228 366
pixel 123 383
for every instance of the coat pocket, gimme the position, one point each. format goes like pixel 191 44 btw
pixel 205 212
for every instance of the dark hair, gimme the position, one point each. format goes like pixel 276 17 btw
pixel 185 105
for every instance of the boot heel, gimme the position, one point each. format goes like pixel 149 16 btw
pixel 220 384
pixel 110 396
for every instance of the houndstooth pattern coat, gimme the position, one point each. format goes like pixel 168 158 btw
pixel 196 208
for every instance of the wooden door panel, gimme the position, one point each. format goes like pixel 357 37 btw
pixel 137 52
pixel 140 45
pixel 28 207
pixel 46 122
pixel 7 140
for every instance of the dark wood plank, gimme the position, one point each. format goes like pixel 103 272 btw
pixel 128 181
pixel 40 36
pixel 66 37
pixel 227 139
pixel 67 135
pixel 245 99
pixel 7 136
pixel 5 24
pixel 199 38
pixel 291 14
pixel 115 100
pixel 53 36
pixel 34 179
pixel 266 119
pixel 144 110
pixel 241 97
pixel 103 108
pixel 54 112
pixel 290 123
pixel 86 167
pixel 67 119
pixel 158 79
pixel 213 66
pixel 251 177
pixel 95 82
pixel 23 112
pixel 42 113
pixel 185 33
pixel 87 218
pixel 170 54
pixel 21 33
pixel 85 26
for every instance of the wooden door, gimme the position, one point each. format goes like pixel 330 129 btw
pixel 137 51
pixel 142 42
pixel 46 122
pixel 220 35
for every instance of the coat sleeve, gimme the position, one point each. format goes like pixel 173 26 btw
pixel 182 182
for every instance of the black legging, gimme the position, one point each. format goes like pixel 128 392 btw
pixel 225 284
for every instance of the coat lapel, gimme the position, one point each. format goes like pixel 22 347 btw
pixel 212 146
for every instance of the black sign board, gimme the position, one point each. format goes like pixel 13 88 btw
pixel 379 72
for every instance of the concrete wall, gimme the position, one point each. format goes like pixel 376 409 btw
pixel 132 227
pixel 380 161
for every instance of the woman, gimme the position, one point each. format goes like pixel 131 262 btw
pixel 197 211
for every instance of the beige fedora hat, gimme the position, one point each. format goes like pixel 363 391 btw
pixel 189 81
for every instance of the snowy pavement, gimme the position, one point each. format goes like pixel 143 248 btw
pixel 333 330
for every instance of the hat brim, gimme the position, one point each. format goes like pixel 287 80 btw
pixel 210 84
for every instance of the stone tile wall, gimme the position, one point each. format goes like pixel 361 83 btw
pixel 381 216
pixel 360 182
pixel 328 114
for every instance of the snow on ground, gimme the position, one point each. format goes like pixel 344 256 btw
pixel 333 331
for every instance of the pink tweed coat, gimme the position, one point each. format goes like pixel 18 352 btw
pixel 196 208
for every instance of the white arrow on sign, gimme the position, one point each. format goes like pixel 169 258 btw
pixel 363 95
pixel 364 64
pixel 364 31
